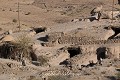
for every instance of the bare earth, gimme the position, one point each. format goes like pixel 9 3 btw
pixel 68 45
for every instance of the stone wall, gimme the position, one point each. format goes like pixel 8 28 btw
pixel 54 36
pixel 115 51
pixel 58 57
pixel 112 49
pixel 54 72
pixel 65 39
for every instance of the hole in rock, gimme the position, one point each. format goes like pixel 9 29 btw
pixel 101 53
pixel 116 30
pixel 73 51
pixel 44 39
pixel 6 50
pixel 119 2
pixel 33 56
pixel 39 30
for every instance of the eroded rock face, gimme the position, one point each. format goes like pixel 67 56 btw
pixel 56 60
pixel 115 51
pixel 112 50
pixel 108 14
pixel 108 34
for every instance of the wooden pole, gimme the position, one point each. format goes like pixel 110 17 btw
pixel 19 17
pixel 112 10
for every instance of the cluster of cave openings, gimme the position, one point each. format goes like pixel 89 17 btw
pixel 73 51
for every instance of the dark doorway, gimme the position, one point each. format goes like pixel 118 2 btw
pixel 101 53
pixel 33 56
pixel 116 30
pixel 44 39
pixel 73 51
pixel 39 30
pixel 6 50
pixel 119 2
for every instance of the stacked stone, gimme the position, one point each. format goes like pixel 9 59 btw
pixel 77 59
pixel 61 38
pixel 54 36
pixel 55 72
pixel 79 41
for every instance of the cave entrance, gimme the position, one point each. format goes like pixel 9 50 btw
pixel 33 56
pixel 116 30
pixel 101 53
pixel 73 51
pixel 39 30
pixel 119 2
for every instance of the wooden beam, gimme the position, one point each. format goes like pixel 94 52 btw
pixel 19 17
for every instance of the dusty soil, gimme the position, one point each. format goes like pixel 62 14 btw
pixel 33 15
pixel 56 16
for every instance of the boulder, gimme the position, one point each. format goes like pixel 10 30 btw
pixel 8 38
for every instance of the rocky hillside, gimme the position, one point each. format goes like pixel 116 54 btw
pixel 73 8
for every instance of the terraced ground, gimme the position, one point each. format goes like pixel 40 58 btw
pixel 64 46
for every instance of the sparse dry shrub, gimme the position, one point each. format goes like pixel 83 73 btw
pixel 21 50
pixel 28 13
pixel 18 50
pixel 24 45
pixel 43 60
pixel 14 20
pixel 118 75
